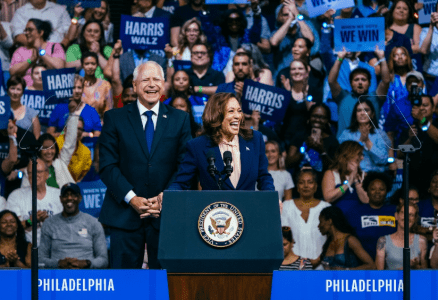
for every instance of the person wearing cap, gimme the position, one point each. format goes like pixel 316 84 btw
pixel 73 239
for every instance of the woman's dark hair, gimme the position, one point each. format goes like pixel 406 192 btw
pixel 360 71
pixel 400 194
pixel 287 233
pixel 307 171
pixel 389 19
pixel 190 90
pixel 392 68
pixel 193 126
pixel 354 124
pixel 226 21
pixel 21 237
pixel 48 137
pixel 339 221
pixel 39 63
pixel 83 43
pixel 89 54
pixel 41 25
pixel 309 43
pixel 328 113
pixel 371 176
pixel 15 80
pixel 214 114
pixel 379 2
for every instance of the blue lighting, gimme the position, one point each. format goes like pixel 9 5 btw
pixel 42 52
pixel 309 98
pixel 391 160
pixel 302 149
pixel 300 17
pixel 20 174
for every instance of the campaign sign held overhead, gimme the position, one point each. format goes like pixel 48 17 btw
pixel 360 34
pixel 319 7
pixel 270 101
pixel 144 33
pixel 429 6
pixel 37 101
pixel 59 83
pixel 5 111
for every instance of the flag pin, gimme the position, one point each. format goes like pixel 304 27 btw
pixel 165 116
pixel 247 149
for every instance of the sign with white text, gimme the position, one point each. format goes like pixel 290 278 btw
pixel 270 101
pixel 360 34
pixel 5 111
pixel 86 284
pixel 37 101
pixel 58 83
pixel 357 285
pixel 93 193
pixel 144 33
pixel 319 7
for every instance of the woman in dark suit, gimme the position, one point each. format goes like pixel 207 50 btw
pixel 223 131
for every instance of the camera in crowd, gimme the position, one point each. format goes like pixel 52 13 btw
pixel 415 94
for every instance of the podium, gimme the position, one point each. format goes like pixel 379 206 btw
pixel 202 271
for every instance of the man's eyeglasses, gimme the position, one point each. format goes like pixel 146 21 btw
pixel 199 53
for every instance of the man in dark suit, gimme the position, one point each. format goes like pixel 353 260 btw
pixel 141 146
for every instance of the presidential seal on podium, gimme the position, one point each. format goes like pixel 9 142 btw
pixel 220 224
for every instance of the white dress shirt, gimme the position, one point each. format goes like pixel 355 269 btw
pixel 144 119
pixel 55 13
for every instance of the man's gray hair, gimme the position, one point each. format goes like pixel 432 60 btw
pixel 136 70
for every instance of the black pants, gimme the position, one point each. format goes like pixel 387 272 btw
pixel 127 247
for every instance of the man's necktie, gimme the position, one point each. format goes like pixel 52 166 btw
pixel 149 130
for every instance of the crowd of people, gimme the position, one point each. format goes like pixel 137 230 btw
pixel 334 158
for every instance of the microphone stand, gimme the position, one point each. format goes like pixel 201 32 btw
pixel 33 151
pixel 407 150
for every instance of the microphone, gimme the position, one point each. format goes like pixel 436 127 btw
pixel 228 158
pixel 211 169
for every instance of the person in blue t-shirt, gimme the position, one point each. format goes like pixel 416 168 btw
pixel 376 218
pixel 92 125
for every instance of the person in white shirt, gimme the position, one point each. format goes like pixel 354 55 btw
pixel 302 216
pixel 48 201
pixel 43 10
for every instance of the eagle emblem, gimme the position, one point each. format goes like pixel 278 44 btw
pixel 220 225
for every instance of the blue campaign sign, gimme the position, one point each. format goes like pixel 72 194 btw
pixel 93 193
pixel 37 101
pixel 360 34
pixel 87 284
pixel 347 285
pixel 84 3
pixel 319 7
pixel 182 64
pixel 5 111
pixel 144 33
pixel 58 83
pixel 2 82
pixel 424 13
pixel 270 101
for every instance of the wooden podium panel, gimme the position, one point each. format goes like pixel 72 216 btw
pixel 203 286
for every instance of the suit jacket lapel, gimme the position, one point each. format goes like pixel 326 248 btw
pixel 137 125
pixel 246 157
pixel 161 126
